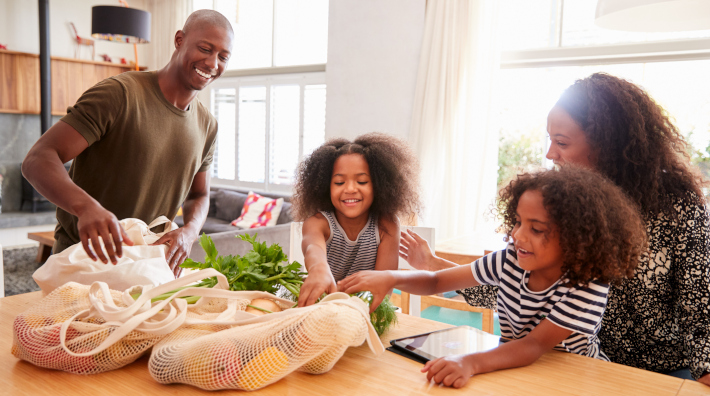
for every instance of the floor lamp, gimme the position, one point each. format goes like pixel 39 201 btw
pixel 122 24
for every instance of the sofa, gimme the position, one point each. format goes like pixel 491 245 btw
pixel 225 206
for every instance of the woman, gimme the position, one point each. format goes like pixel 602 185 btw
pixel 660 319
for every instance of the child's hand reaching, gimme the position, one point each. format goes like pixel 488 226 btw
pixel 416 251
pixel 379 283
pixel 317 282
pixel 451 370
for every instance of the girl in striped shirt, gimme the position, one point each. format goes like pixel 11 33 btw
pixel 570 233
pixel 350 194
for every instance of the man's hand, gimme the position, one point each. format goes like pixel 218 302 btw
pixel 180 243
pixel 451 370
pixel 319 280
pixel 96 222
pixel 379 283
pixel 416 251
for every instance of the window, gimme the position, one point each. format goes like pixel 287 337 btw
pixel 267 124
pixel 270 103
pixel 549 44
pixel 274 32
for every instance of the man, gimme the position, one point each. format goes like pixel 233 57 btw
pixel 142 146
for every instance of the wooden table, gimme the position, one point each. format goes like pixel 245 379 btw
pixel 359 372
pixel 46 241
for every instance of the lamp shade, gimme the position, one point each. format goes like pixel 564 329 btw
pixel 127 25
pixel 653 15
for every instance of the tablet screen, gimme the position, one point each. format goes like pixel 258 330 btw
pixel 454 341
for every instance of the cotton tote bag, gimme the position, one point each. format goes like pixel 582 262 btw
pixel 141 264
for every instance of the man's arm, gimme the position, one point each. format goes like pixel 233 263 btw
pixel 43 167
pixel 194 211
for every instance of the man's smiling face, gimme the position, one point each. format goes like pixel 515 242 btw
pixel 203 54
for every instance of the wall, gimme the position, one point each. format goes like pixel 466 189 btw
pixel 373 54
pixel 18 132
pixel 19 28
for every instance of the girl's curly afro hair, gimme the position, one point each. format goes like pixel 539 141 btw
pixel 394 172
pixel 602 235
pixel 640 149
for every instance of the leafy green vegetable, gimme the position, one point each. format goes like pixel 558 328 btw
pixel 267 269
pixel 262 269
pixel 385 315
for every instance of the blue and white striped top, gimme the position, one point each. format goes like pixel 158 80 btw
pixel 347 257
pixel 576 308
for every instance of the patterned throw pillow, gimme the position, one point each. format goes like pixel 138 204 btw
pixel 259 211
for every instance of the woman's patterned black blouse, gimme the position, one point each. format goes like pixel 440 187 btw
pixel 660 319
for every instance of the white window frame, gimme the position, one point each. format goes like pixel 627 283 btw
pixel 246 78
pixel 641 52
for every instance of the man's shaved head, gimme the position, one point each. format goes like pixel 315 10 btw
pixel 206 17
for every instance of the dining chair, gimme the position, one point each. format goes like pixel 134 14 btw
pixel 403 300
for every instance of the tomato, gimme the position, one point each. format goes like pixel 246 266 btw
pixel 216 367
pixel 266 366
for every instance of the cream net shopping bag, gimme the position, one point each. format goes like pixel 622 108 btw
pixel 212 344
pixel 91 329
pixel 38 334
pixel 252 355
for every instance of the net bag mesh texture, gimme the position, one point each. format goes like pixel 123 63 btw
pixel 252 356
pixel 36 334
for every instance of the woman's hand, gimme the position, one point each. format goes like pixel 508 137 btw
pixel 319 280
pixel 416 251
pixel 705 379
pixel 379 283
pixel 451 370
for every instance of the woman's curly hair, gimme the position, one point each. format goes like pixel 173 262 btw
pixel 394 171
pixel 602 235
pixel 640 149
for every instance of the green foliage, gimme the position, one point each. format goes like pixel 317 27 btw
pixel 267 269
pixel 385 315
pixel 264 268
pixel 518 152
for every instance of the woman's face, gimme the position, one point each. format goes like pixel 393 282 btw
pixel 568 143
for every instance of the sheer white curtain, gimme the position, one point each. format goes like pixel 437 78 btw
pixel 168 16
pixel 452 129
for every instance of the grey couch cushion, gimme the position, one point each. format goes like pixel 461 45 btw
pixel 227 243
pixel 285 215
pixel 229 204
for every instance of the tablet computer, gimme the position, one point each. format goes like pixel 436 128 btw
pixel 453 341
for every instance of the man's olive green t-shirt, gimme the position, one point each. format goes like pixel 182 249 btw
pixel 143 152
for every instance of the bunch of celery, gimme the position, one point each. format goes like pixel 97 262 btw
pixel 267 269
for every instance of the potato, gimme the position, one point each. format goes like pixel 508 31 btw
pixel 263 303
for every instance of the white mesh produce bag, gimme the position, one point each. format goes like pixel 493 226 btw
pixel 262 350
pixel 46 335
pixel 220 346
pixel 212 344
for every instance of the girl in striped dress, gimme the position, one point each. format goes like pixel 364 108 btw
pixel 350 195
pixel 570 233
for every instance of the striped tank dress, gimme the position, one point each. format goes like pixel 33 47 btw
pixel 347 257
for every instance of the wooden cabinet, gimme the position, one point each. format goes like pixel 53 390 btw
pixel 20 80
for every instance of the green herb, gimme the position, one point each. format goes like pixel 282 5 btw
pixel 267 269
pixel 385 315
pixel 262 269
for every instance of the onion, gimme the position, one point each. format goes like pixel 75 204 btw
pixel 263 303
